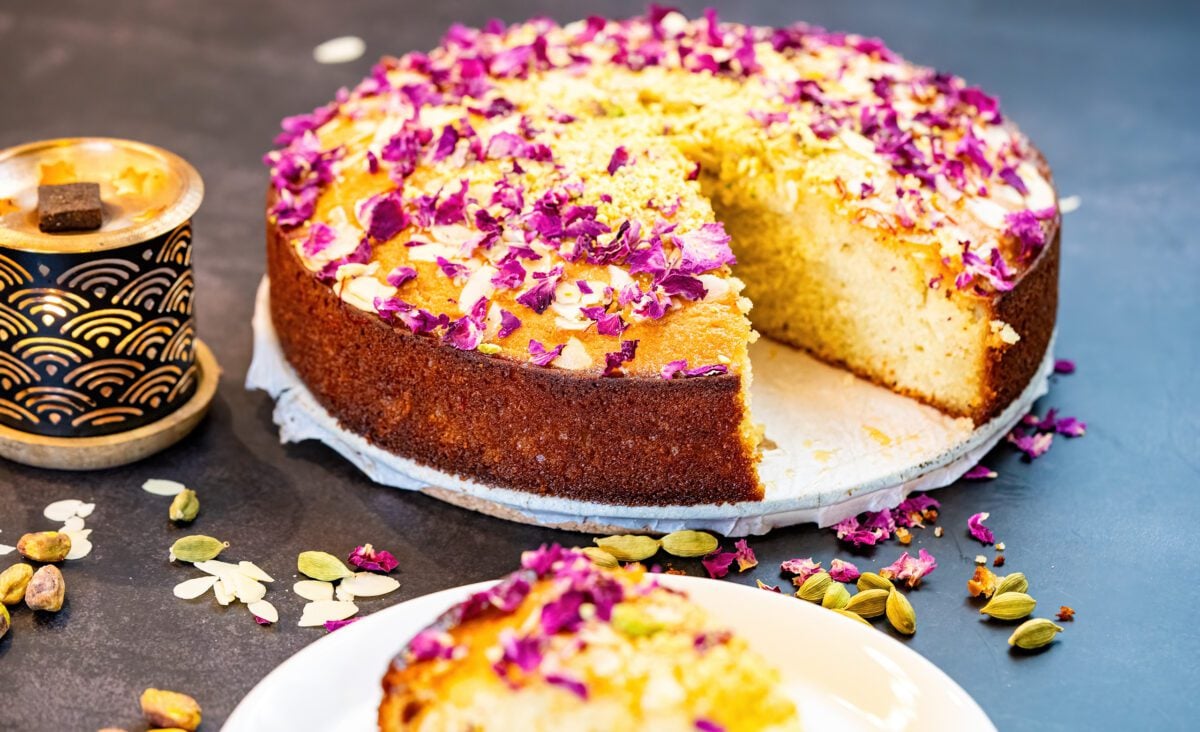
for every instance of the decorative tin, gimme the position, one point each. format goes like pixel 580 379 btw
pixel 96 328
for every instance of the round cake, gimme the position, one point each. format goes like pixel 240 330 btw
pixel 563 645
pixel 535 257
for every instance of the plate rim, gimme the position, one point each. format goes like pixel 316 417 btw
pixel 872 637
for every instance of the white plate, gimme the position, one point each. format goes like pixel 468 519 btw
pixel 841 446
pixel 865 680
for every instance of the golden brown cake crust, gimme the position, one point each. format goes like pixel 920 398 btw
pixel 634 441
pixel 628 441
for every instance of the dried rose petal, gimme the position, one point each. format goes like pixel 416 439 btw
pixel 332 625
pixel 910 569
pixel 717 563
pixel 744 555
pixel 369 558
pixel 980 472
pixel 1064 366
pixel 803 568
pixel 843 571
pixel 982 533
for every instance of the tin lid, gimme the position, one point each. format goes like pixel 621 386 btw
pixel 145 190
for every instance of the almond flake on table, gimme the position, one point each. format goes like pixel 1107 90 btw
pixel 62 510
pixel 319 612
pixel 193 588
pixel 366 584
pixel 6 549
pixel 224 591
pixel 313 590
pixel 343 593
pixel 161 487
pixel 252 570
pixel 248 590
pixel 264 611
pixel 81 545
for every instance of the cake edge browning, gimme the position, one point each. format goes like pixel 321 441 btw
pixel 624 441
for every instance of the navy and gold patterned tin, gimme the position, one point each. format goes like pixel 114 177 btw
pixel 96 327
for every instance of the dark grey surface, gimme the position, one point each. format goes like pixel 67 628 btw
pixel 1105 523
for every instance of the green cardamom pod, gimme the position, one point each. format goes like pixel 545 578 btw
pixel 599 557
pixel 1009 606
pixel 184 507
pixel 321 566
pixel 836 596
pixel 872 581
pixel 1034 633
pixel 689 543
pixel 629 547
pixel 1014 582
pixel 869 603
pixel 45 546
pixel 900 613
pixel 12 583
pixel 814 587
pixel 852 615
pixel 197 548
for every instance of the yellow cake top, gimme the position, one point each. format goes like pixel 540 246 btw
pixel 575 641
pixel 542 192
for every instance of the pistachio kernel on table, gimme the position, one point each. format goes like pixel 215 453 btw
pixel 46 590
pixel 44 546
pixel 163 708
pixel 13 582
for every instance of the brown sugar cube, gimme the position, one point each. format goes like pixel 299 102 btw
pixel 69 207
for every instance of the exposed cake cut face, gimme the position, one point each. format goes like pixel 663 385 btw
pixel 565 645
pixel 546 193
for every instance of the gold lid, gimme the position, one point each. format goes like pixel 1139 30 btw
pixel 145 190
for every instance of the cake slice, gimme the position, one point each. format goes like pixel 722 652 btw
pixel 563 645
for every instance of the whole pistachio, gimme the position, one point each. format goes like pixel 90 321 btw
pixel 44 546
pixel 868 603
pixel 163 708
pixel 1034 633
pixel 184 507
pixel 46 589
pixel 900 613
pixel 13 582
pixel 5 621
pixel 1009 606
pixel 814 587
